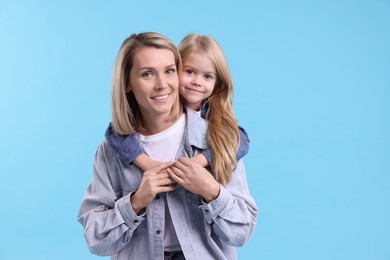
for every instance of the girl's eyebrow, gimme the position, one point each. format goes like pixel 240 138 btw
pixel 209 72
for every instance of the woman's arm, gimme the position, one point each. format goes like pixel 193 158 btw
pixel 108 222
pixel 231 210
pixel 232 215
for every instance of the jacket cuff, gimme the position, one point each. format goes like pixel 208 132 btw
pixel 132 220
pixel 215 207
pixel 128 155
pixel 207 154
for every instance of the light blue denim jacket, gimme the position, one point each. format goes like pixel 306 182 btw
pixel 205 231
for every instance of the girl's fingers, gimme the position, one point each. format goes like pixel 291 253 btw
pixel 161 167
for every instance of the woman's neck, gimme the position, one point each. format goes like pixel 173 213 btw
pixel 156 124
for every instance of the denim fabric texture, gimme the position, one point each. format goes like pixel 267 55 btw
pixel 205 231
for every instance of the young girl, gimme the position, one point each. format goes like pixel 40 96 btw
pixel 205 87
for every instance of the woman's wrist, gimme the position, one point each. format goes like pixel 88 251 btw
pixel 135 203
pixel 212 193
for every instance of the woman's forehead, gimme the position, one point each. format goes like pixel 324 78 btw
pixel 151 57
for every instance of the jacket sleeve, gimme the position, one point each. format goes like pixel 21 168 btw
pixel 108 222
pixel 126 147
pixel 232 215
pixel 242 150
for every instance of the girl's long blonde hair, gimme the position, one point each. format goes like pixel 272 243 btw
pixel 223 136
pixel 126 117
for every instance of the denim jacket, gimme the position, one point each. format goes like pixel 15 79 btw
pixel 205 231
pixel 128 148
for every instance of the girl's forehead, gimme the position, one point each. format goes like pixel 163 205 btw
pixel 200 60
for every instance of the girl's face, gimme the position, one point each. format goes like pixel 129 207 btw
pixel 154 81
pixel 197 79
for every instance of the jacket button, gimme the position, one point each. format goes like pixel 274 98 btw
pixel 136 221
pixel 158 232
pixel 157 197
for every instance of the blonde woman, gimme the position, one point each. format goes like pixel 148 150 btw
pixel 131 214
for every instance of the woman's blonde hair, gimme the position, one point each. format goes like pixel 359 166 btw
pixel 223 136
pixel 126 117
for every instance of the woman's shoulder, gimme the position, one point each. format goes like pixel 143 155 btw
pixel 105 149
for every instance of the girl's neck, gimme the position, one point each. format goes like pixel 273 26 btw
pixel 193 106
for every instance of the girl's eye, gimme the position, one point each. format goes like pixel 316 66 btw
pixel 171 71
pixel 147 74
pixel 208 76
pixel 189 72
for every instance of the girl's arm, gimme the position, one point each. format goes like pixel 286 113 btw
pixel 125 146
pixel 129 150
pixel 242 150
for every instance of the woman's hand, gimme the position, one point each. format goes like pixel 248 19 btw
pixel 194 178
pixel 154 181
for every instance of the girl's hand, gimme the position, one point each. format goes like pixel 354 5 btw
pixel 153 181
pixel 145 162
pixel 200 159
pixel 194 178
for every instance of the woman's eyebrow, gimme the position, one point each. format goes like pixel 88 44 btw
pixel 146 68
pixel 153 68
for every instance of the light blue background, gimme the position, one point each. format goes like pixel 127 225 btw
pixel 312 87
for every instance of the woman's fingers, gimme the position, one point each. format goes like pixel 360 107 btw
pixel 185 161
pixel 181 164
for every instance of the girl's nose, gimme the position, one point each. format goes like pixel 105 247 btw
pixel 196 82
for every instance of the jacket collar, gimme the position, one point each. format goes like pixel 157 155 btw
pixel 196 130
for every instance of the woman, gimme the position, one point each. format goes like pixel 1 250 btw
pixel 128 214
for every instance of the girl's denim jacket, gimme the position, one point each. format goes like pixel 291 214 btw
pixel 128 148
pixel 205 231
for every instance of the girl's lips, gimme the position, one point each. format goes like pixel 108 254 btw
pixel 196 90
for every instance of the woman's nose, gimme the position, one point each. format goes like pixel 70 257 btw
pixel 161 82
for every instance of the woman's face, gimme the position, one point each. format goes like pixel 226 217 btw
pixel 197 79
pixel 154 81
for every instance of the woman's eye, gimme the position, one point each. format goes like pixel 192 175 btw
pixel 147 74
pixel 171 71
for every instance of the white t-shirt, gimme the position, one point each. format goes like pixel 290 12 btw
pixel 166 146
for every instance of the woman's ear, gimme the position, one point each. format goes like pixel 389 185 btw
pixel 128 88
